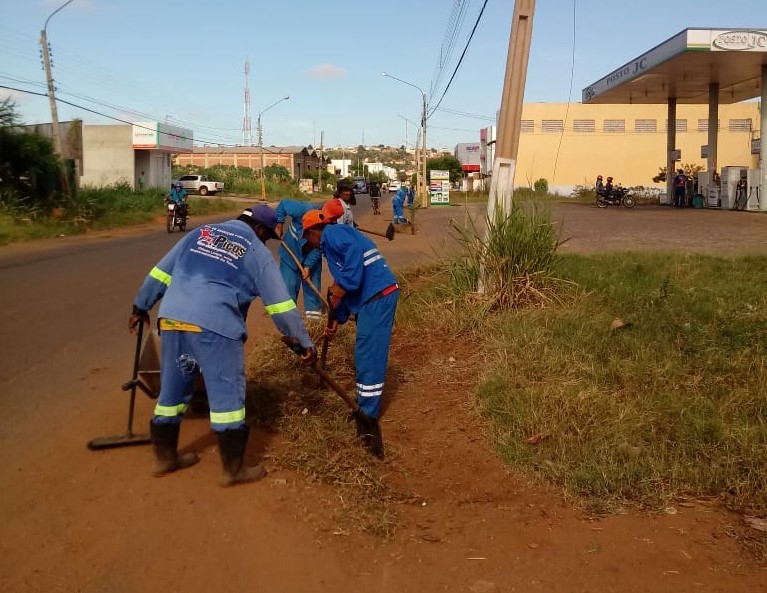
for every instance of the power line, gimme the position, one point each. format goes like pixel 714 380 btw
pixel 203 140
pixel 463 54
pixel 569 96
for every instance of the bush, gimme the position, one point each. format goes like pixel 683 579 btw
pixel 541 186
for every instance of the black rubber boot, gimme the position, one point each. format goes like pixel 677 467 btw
pixel 231 446
pixel 369 431
pixel 165 443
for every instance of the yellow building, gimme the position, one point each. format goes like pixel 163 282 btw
pixel 626 142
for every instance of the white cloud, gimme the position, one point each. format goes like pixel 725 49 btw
pixel 326 72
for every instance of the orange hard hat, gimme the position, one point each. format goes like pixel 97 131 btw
pixel 311 219
pixel 332 210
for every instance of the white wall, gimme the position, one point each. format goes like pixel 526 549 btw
pixel 108 155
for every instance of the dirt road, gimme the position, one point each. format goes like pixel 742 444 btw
pixel 75 520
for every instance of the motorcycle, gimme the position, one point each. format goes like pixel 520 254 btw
pixel 177 214
pixel 620 196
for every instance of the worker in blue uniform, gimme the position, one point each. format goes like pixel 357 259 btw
pixel 207 282
pixel 291 212
pixel 362 285
pixel 397 204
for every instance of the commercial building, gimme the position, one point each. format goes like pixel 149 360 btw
pixel 569 145
pixel 104 155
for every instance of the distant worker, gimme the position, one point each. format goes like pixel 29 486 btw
pixel 141 181
pixel 310 259
pixel 410 195
pixel 363 285
pixel 207 282
pixel 345 194
pixel 680 183
pixel 397 204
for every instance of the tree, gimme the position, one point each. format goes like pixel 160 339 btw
pixel 446 162
pixel 29 169
pixel 690 169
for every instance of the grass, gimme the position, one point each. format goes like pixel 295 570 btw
pixel 672 406
pixel 318 440
pixel 97 209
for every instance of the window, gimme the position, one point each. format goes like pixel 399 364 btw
pixel 584 125
pixel 646 126
pixel 552 125
pixel 527 126
pixel 681 125
pixel 703 125
pixel 189 178
pixel 614 125
pixel 740 125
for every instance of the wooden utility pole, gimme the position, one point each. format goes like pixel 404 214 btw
pixel 509 121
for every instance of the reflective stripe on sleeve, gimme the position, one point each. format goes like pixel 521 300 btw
pixel 170 411
pixel 227 417
pixel 282 307
pixel 160 276
pixel 367 262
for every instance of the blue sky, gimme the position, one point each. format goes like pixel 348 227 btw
pixel 184 60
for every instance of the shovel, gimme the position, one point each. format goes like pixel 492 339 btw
pixel 295 259
pixel 389 234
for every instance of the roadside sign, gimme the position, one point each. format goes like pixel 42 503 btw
pixel 439 188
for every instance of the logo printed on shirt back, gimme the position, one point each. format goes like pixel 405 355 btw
pixel 218 242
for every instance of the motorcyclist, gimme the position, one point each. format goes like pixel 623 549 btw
pixel 178 196
pixel 600 186
pixel 608 193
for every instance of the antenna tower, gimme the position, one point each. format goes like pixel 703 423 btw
pixel 247 133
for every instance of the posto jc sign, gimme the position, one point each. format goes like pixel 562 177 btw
pixel 740 41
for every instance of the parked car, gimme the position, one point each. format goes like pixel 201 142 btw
pixel 394 185
pixel 200 184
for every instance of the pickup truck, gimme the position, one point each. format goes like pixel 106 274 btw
pixel 200 184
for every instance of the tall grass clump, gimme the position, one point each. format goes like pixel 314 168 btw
pixel 509 266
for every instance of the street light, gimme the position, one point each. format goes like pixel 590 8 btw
pixel 261 144
pixel 51 96
pixel 407 121
pixel 423 187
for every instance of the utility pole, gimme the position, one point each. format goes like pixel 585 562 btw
pixel 509 124
pixel 507 145
pixel 425 198
pixel 55 132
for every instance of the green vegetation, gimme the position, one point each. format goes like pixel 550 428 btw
pixel 446 162
pixel 541 186
pixel 92 209
pixel 246 181
pixel 671 405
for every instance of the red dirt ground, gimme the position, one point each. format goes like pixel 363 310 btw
pixel 75 520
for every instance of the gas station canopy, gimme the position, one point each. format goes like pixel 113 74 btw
pixel 684 67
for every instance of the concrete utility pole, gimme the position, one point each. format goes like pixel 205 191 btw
pixel 509 124
pixel 507 144
pixel 423 186
pixel 56 136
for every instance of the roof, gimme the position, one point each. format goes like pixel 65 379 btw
pixel 683 66
pixel 255 150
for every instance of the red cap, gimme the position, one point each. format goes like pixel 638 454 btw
pixel 332 210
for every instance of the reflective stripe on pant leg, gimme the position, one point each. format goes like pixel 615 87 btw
pixel 178 370
pixel 371 351
pixel 222 362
